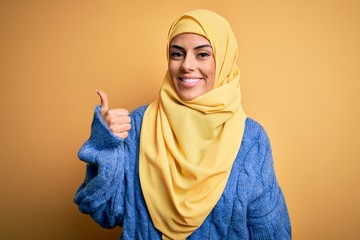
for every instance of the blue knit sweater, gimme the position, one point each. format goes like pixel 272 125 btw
pixel 252 205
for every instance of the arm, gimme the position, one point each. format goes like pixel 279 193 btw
pixel 101 194
pixel 267 212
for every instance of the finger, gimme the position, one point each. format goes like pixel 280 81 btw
pixel 118 120
pixel 118 112
pixel 123 135
pixel 120 128
pixel 104 104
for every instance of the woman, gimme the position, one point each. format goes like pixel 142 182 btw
pixel 191 165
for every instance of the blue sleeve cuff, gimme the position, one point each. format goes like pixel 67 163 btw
pixel 101 138
pixel 101 135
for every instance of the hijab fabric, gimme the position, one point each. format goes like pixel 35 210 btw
pixel 187 148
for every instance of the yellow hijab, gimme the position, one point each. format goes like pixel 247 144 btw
pixel 187 148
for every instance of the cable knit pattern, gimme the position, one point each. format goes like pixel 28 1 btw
pixel 252 205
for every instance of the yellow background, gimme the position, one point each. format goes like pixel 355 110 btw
pixel 300 65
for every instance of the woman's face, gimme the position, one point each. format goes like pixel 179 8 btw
pixel 191 65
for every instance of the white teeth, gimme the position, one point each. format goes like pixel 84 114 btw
pixel 190 80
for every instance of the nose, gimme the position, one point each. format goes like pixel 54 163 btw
pixel 189 63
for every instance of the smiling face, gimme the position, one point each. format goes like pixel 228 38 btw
pixel 191 65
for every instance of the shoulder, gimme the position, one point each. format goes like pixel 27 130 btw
pixel 138 113
pixel 255 146
pixel 140 110
pixel 254 131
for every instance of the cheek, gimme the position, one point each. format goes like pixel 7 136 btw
pixel 211 73
pixel 172 67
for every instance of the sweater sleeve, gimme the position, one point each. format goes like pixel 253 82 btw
pixel 102 193
pixel 268 217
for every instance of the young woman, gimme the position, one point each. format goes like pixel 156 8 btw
pixel 190 165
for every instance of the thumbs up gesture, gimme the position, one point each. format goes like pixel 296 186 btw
pixel 118 120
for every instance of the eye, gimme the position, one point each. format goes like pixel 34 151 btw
pixel 176 55
pixel 203 55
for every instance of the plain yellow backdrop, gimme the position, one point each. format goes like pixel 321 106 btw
pixel 300 66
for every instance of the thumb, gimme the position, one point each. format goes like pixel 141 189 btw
pixel 104 104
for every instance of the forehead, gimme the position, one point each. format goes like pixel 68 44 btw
pixel 189 39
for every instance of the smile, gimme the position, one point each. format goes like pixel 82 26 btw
pixel 190 80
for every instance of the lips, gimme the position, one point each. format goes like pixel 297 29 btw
pixel 189 82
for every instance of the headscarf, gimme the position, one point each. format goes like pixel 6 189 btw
pixel 187 148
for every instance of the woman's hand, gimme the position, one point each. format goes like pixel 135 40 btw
pixel 118 120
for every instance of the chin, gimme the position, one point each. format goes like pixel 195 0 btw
pixel 187 97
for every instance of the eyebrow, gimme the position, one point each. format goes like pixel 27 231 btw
pixel 198 47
